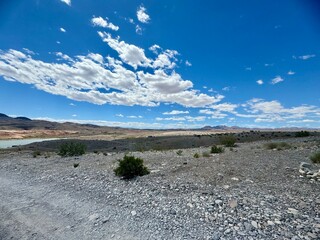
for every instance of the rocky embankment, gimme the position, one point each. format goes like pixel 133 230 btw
pixel 247 192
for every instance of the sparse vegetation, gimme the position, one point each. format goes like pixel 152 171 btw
pixel 196 155
pixel 36 153
pixel 315 158
pixel 72 149
pixel 228 141
pixel 216 149
pixel 179 152
pixel 277 145
pixel 130 167
pixel 302 134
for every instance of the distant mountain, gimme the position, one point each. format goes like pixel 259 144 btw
pixel 23 118
pixel 24 123
pixel 3 116
pixel 221 127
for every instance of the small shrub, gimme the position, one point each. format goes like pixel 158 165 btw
pixel 36 153
pixel 277 145
pixel 315 158
pixel 196 155
pixel 205 154
pixel 75 165
pixel 179 152
pixel 130 167
pixel 228 141
pixel 216 149
pixel 72 149
pixel 302 134
pixel 271 145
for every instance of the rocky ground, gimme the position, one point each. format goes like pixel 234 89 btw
pixel 247 192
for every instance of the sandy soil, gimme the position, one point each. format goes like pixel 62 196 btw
pixel 244 193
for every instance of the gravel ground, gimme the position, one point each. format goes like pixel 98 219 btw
pixel 246 192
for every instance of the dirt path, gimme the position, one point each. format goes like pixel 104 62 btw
pixel 43 211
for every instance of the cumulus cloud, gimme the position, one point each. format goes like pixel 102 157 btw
pixel 166 59
pixel 99 80
pixel 274 111
pixel 100 22
pixel 142 15
pixel 68 2
pixel 62 30
pixel 128 53
pixel 260 81
pixel 154 48
pixel 276 80
pixel 175 112
pixel 291 73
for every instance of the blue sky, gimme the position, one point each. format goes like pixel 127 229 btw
pixel 162 64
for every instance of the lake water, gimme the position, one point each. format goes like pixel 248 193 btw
pixel 16 142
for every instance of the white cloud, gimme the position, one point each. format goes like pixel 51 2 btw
pixel 72 104
pixel 62 30
pixel 225 107
pixel 96 80
pixel 154 48
pixel 128 53
pixel 164 83
pixel 142 15
pixel 306 57
pixel 291 73
pixel 175 112
pixel 276 80
pixel 214 114
pixel 100 22
pixel 189 64
pixel 182 119
pixel 74 115
pixel 134 117
pixel 63 56
pixel 68 2
pixel 260 82
pixel 226 89
pixel 166 60
pixel 138 29
pixel 273 111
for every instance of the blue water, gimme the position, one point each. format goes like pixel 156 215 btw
pixel 17 142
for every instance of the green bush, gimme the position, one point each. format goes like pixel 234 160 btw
pixel 72 149
pixel 130 167
pixel 179 152
pixel 315 158
pixel 196 155
pixel 216 149
pixel 228 141
pixel 277 145
pixel 36 153
pixel 302 134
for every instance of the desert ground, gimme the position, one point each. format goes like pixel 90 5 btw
pixel 246 192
